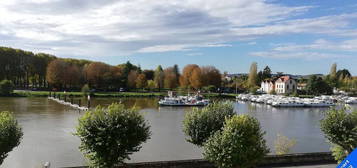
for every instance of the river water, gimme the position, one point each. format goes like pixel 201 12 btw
pixel 48 130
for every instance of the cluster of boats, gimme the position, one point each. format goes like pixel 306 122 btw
pixel 173 100
pixel 284 101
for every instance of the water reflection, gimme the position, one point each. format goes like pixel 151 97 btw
pixel 48 128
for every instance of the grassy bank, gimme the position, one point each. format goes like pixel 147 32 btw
pixel 112 94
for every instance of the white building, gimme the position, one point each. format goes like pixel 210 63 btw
pixel 282 85
pixel 267 86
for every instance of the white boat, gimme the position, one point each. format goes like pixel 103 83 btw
pixel 351 100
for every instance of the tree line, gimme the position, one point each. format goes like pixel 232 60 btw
pixel 315 85
pixel 44 71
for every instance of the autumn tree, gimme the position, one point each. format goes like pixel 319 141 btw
pixel 196 78
pixel 211 76
pixel 56 73
pixel 133 75
pixel 94 73
pixel 115 77
pixel 185 78
pixel 72 76
pixel 171 78
pixel 141 81
pixel 159 77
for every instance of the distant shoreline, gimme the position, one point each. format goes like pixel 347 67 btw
pixel 22 93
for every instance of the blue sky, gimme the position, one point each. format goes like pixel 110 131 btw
pixel 291 36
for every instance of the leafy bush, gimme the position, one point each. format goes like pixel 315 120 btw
pixel 109 135
pixel 340 128
pixel 283 144
pixel 239 144
pixel 201 123
pixel 6 87
pixel 10 134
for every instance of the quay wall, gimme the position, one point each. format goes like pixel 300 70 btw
pixel 269 161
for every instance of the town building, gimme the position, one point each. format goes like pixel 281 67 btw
pixel 282 85
pixel 267 86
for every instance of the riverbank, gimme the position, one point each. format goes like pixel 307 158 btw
pixel 24 93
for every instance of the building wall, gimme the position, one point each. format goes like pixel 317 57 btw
pixel 288 86
pixel 267 87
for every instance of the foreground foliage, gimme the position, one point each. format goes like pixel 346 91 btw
pixel 340 128
pixel 239 144
pixel 109 135
pixel 201 123
pixel 10 134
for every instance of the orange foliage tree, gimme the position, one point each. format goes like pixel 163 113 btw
pixel 56 73
pixel 171 78
pixel 95 73
pixel 186 75
pixel 133 75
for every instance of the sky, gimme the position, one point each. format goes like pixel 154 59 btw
pixel 290 36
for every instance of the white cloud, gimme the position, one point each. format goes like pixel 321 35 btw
pixel 319 49
pixel 113 27
pixel 321 44
pixel 162 48
pixel 297 55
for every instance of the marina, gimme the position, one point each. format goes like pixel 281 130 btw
pixel 285 101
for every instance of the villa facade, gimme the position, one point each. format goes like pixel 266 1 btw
pixel 282 85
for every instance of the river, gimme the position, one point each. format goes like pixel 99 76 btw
pixel 48 130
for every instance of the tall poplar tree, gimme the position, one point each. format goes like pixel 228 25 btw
pixel 252 78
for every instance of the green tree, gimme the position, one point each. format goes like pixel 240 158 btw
pixel 201 123
pixel 316 86
pixel 342 74
pixel 10 134
pixel 151 84
pixel 340 128
pixel 109 135
pixel 252 78
pixel 6 87
pixel 239 144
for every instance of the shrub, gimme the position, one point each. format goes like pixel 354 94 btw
pixel 283 144
pixel 109 135
pixel 6 87
pixel 239 144
pixel 10 134
pixel 340 128
pixel 201 123
pixel 85 90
